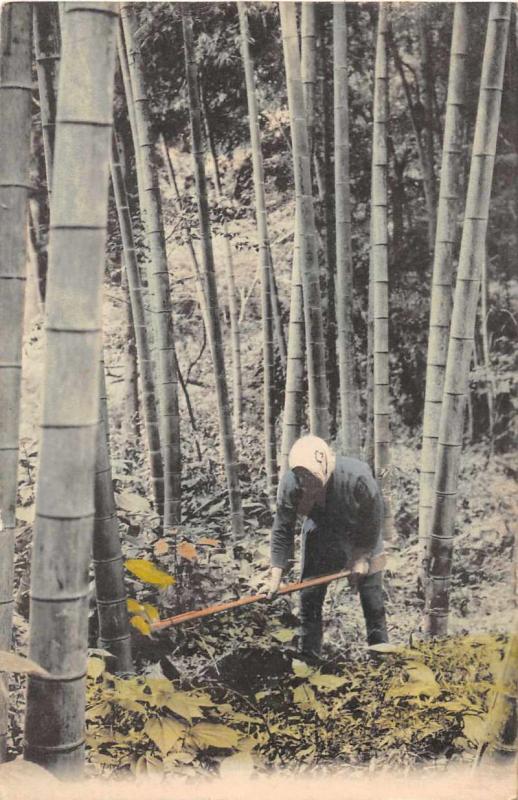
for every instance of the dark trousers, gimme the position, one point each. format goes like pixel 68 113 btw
pixel 322 556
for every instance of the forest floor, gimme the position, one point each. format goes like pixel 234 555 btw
pixel 230 696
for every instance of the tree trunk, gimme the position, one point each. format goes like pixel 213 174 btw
pixel 158 280
pixel 114 631
pixel 54 724
pixel 141 333
pixel 315 345
pixel 379 263
pixel 264 259
pixel 350 425
pixel 214 328
pixel 15 131
pixel 463 319
pixel 442 276
pixel 486 357
pixel 294 390
pixel 237 378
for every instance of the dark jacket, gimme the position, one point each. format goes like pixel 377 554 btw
pixel 350 523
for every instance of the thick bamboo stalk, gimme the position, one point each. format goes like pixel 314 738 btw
pixel 350 424
pixel 235 335
pixel 379 266
pixel 213 320
pixel 460 347
pixel 278 325
pixel 315 345
pixel 15 130
pixel 294 389
pixel 500 741
pixel 147 387
pixel 264 259
pixel 114 630
pixel 326 189
pixel 308 65
pixel 158 279
pixel 131 422
pixel 46 48
pixel 442 275
pixel 54 724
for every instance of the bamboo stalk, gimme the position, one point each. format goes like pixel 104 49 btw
pixel 54 724
pixel 315 345
pixel 350 423
pixel 235 336
pixel 46 27
pixel 141 332
pixel 308 65
pixel 294 389
pixel 213 320
pixel 158 279
pixel 270 444
pixel 114 630
pixel 15 129
pixel 379 266
pixel 442 275
pixel 463 319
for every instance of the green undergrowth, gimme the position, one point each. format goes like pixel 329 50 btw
pixel 260 707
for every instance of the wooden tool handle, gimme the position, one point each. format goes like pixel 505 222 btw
pixel 288 588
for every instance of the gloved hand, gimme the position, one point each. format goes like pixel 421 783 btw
pixel 359 569
pixel 275 581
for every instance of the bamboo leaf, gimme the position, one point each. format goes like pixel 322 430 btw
pixel 284 635
pixel 241 763
pixel 133 503
pixel 16 663
pixel 327 683
pixel 210 542
pixel 147 572
pixel 474 729
pixel 134 606
pixel 95 667
pixel 151 612
pixel 161 547
pixel 165 733
pixel 209 734
pixel 301 669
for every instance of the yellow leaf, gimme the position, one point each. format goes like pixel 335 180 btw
pixel 147 572
pixel 210 542
pixel 161 547
pixel 208 734
pixel 95 667
pixel 187 550
pixel 141 625
pixel 183 705
pixel 165 732
pixel 241 764
pixel 327 683
pixel 474 729
pixel 151 612
pixel 284 634
pixel 301 669
pixel 133 503
pixel 134 606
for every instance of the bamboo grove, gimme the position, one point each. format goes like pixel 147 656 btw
pixel 322 319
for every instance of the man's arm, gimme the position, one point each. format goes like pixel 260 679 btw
pixel 370 516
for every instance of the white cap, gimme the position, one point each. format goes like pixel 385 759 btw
pixel 313 454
